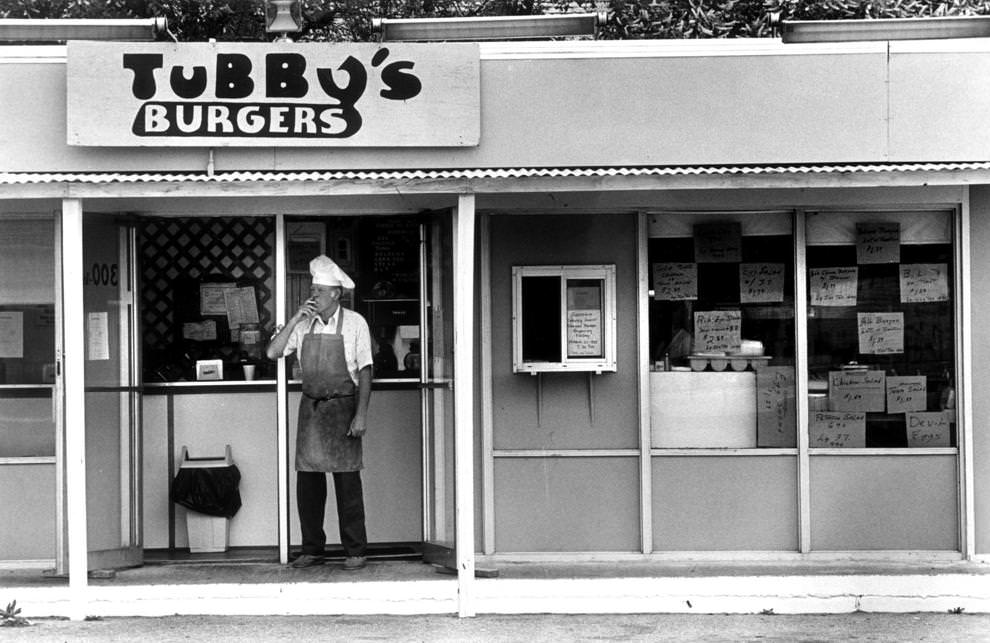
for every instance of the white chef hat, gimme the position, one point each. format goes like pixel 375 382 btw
pixel 326 273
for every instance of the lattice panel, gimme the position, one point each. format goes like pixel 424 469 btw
pixel 241 249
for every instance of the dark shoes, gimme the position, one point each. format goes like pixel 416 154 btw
pixel 307 560
pixel 354 563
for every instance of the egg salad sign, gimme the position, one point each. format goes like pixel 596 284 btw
pixel 273 94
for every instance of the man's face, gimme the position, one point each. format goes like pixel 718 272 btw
pixel 326 298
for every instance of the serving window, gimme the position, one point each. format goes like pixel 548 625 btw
pixel 563 318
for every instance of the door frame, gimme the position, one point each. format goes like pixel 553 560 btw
pixel 72 542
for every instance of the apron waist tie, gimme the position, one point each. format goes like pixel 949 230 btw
pixel 329 397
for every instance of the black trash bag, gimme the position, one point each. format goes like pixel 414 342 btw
pixel 209 490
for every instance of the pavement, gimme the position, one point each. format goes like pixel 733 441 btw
pixel 523 628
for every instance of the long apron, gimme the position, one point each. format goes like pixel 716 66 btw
pixel 327 406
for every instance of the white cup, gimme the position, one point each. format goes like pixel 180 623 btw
pixel 249 371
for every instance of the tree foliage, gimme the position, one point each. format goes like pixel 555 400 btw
pixel 350 20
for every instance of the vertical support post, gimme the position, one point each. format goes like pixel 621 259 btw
pixel 801 380
pixel 73 374
pixel 487 394
pixel 464 218
pixel 281 395
pixel 964 377
pixel 645 432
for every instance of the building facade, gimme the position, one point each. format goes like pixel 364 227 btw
pixel 664 301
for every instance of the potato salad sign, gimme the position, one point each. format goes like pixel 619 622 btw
pixel 273 94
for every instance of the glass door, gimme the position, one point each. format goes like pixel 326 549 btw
pixel 113 445
pixel 437 377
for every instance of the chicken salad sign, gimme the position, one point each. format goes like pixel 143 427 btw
pixel 273 94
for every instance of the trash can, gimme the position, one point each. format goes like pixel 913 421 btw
pixel 209 489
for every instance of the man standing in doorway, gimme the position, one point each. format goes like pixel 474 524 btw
pixel 333 346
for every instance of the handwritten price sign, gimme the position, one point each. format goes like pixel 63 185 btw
pixel 930 429
pixel 833 286
pixel 907 393
pixel 717 331
pixel 830 430
pixel 856 390
pixel 675 281
pixel 761 283
pixel 924 282
pixel 880 333
pixel 878 242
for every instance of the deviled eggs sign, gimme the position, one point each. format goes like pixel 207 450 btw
pixel 273 94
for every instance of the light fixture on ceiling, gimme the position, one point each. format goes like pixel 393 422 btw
pixel 801 31
pixel 283 17
pixel 63 29
pixel 488 27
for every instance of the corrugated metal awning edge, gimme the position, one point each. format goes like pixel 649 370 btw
pixel 22 178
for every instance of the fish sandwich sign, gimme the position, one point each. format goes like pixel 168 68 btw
pixel 273 94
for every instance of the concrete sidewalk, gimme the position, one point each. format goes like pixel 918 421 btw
pixel 525 628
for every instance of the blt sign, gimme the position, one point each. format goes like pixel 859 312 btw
pixel 260 94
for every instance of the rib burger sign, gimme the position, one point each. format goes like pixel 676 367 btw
pixel 259 94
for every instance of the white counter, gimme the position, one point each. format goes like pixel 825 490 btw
pixel 703 410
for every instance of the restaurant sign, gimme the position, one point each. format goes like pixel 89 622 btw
pixel 273 94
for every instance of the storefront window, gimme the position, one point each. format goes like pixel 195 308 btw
pixel 27 337
pixel 880 330
pixel 382 255
pixel 722 330
pixel 206 297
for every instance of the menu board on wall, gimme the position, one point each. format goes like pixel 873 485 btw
pixel 907 393
pixel 878 242
pixel 717 331
pixel 931 429
pixel 880 333
pixel 389 258
pixel 584 321
pixel 718 242
pixel 924 282
pixel 833 286
pixel 675 281
pixel 776 420
pixel 830 430
pixel 761 283
pixel 856 390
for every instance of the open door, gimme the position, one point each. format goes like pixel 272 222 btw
pixel 112 402
pixel 437 377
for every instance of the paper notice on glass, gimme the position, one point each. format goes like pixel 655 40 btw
pixel 776 415
pixel 205 331
pixel 717 331
pixel 880 333
pixel 907 393
pixel 98 336
pixel 878 242
pixel 833 286
pixel 718 242
pixel 12 334
pixel 211 298
pixel 761 283
pixel 931 429
pixel 856 391
pixel 837 430
pixel 242 307
pixel 584 333
pixel 675 281
pixel 924 282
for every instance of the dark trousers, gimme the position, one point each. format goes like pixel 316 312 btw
pixel 311 500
